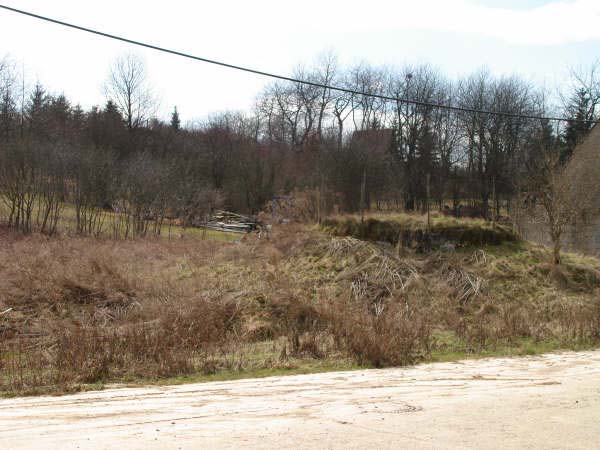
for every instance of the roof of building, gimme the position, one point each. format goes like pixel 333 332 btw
pixel 378 140
pixel 583 170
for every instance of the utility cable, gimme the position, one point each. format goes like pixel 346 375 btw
pixel 290 79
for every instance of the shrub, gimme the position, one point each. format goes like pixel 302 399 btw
pixel 394 337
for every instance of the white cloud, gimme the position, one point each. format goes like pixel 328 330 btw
pixel 274 35
pixel 557 22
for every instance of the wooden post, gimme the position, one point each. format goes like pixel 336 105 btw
pixel 494 201
pixel 320 198
pixel 319 205
pixel 362 195
pixel 428 212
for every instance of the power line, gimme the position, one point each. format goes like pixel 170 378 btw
pixel 290 79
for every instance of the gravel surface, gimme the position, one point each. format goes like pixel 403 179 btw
pixel 550 401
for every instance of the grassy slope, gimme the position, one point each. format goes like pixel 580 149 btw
pixel 67 225
pixel 301 302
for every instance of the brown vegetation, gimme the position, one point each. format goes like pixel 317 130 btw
pixel 85 310
pixel 414 231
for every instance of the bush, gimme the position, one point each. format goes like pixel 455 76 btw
pixel 179 342
pixel 394 337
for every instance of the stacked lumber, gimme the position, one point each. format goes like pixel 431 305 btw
pixel 232 222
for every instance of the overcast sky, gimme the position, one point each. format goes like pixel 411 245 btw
pixel 538 39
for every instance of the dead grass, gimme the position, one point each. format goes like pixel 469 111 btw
pixel 84 311
pixel 112 224
pixel 411 231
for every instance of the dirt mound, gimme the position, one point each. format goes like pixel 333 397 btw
pixel 414 234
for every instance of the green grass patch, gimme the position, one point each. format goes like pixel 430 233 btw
pixel 298 367
pixel 67 224
pixel 451 349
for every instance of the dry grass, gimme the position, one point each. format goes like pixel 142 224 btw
pixel 84 310
pixel 411 231
pixel 112 225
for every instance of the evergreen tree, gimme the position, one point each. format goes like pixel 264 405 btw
pixel 35 110
pixel 175 122
pixel 578 110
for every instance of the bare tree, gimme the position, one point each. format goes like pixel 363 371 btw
pixel 325 73
pixel 564 192
pixel 127 87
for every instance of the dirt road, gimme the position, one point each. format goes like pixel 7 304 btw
pixel 550 401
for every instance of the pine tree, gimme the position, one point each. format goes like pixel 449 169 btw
pixel 175 122
pixel 576 129
pixel 35 110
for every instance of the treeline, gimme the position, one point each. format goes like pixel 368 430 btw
pixel 470 159
pixel 348 151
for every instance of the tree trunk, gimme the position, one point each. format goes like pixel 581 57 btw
pixel 556 253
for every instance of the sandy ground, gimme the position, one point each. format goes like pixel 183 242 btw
pixel 550 401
